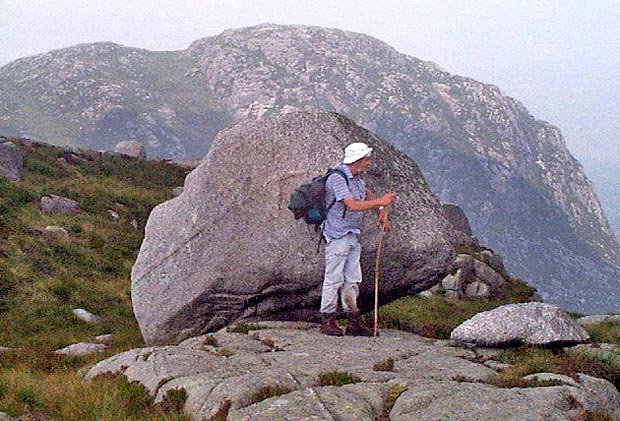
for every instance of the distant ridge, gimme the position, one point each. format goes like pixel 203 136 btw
pixel 524 193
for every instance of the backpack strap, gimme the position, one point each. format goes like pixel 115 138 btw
pixel 337 171
pixel 344 212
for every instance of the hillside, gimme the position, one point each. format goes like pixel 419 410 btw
pixel 43 276
pixel 525 195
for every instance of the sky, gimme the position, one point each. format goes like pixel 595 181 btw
pixel 559 58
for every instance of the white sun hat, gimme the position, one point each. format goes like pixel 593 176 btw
pixel 355 152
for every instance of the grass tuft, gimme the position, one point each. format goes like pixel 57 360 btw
pixel 337 378
pixel 268 391
pixel 174 400
pixel 385 365
pixel 393 394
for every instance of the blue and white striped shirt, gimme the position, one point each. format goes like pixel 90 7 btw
pixel 336 189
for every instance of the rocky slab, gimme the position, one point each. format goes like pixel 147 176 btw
pixel 224 372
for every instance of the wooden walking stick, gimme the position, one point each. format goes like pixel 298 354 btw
pixel 377 260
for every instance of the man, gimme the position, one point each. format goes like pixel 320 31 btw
pixel 343 272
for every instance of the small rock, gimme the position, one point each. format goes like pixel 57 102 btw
pixel 114 215
pixel 87 316
pixel 177 191
pixel 477 289
pixel 452 282
pixel 5 349
pixel 59 204
pixel 56 231
pixel 487 274
pixel 426 294
pixel 134 224
pixel 495 261
pixel 541 377
pixel 6 417
pixel 104 338
pixel 496 365
pixel 82 348
pixel 598 319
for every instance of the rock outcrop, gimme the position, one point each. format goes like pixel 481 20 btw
pixel 532 323
pixel 224 372
pixel 81 349
pixel 457 217
pixel 59 204
pixel 11 161
pixel 131 148
pixel 228 248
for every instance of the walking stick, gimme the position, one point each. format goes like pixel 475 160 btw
pixel 377 260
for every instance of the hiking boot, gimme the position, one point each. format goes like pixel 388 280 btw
pixel 356 326
pixel 329 326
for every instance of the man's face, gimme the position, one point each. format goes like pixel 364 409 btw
pixel 365 163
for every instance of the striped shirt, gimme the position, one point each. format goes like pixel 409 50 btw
pixel 336 189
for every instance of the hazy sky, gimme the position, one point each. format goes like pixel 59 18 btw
pixel 559 58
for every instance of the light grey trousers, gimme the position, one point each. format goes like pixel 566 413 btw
pixel 343 273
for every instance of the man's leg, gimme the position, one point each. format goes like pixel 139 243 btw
pixel 350 291
pixel 336 252
pixel 352 273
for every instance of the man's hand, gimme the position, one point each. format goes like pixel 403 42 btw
pixel 387 199
pixel 382 221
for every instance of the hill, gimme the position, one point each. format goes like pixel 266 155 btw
pixel 525 195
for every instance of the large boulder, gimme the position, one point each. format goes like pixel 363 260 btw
pixel 532 323
pixel 11 161
pixel 228 249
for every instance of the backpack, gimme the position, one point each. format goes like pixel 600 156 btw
pixel 308 200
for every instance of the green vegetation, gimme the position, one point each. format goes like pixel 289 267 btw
pixel 436 317
pixel 527 360
pixel 43 277
pixel 386 365
pixel 266 392
pixel 393 393
pixel 337 378
pixel 604 333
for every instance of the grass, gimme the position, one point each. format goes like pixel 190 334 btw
pixel 526 360
pixel 337 378
pixel 43 278
pixel 437 316
pixel 392 395
pixel 63 395
pixel 604 332
pixel 269 391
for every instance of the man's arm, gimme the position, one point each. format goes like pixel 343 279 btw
pixel 342 193
pixel 371 203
